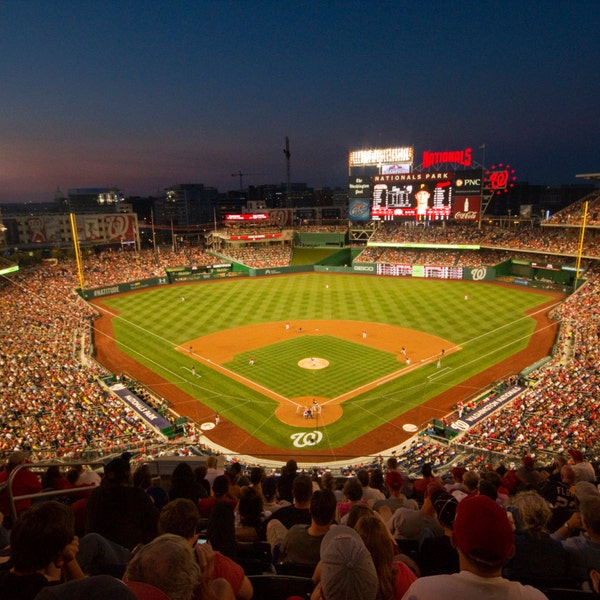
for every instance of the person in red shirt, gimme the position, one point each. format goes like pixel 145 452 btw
pixel 421 485
pixel 220 493
pixel 25 482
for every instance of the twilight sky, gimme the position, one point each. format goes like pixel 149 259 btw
pixel 143 94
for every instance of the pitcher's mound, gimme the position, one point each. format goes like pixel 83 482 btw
pixel 313 363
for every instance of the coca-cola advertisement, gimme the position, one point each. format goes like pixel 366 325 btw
pixel 466 208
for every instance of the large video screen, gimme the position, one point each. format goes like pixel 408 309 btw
pixel 423 196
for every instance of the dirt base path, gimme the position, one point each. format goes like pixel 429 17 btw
pixel 390 434
pixel 412 349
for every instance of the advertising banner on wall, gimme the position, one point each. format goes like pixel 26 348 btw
pixel 43 229
pixel 114 228
pixel 466 208
pixel 468 183
pixel 359 209
pixel 284 217
pixel 120 228
pixel 359 187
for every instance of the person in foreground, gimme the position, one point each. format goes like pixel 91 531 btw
pixel 43 550
pixel 181 517
pixel 483 537
pixel 346 569
pixel 169 564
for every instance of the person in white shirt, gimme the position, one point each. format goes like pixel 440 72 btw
pixel 483 537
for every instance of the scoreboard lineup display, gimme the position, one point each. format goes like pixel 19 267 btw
pixel 425 196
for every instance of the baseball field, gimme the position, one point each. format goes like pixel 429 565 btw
pixel 372 357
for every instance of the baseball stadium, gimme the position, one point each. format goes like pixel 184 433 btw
pixel 335 343
pixel 417 335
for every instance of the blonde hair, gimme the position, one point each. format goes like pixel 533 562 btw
pixel 533 511
pixel 378 542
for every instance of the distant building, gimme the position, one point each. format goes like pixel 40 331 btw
pixel 96 200
pixel 186 204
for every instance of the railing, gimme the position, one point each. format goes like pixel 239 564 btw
pixel 7 487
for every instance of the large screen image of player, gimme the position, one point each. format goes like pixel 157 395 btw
pixel 422 200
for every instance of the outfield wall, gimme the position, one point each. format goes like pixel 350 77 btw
pixel 483 273
pixel 513 271
pixel 110 290
pixel 240 270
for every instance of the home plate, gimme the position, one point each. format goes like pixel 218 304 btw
pixel 410 427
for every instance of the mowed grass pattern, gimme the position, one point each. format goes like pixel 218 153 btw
pixel 490 326
pixel 350 366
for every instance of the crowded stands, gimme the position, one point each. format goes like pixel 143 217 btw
pixel 535 461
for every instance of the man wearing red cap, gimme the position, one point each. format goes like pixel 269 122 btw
pixel 584 471
pixel 394 482
pixel 483 537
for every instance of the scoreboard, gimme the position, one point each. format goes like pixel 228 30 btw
pixel 425 196
pixel 424 271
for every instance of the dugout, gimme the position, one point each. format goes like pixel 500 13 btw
pixel 441 430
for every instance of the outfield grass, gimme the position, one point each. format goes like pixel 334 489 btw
pixel 490 326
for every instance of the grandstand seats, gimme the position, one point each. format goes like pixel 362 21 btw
pixel 280 587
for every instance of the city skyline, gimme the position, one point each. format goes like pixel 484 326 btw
pixel 143 96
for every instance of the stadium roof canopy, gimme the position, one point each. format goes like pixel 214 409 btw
pixel 595 176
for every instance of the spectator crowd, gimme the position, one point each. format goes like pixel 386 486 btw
pixel 53 405
pixel 213 532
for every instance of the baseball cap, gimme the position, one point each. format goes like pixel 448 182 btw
pixel 117 469
pixel 482 531
pixel 394 481
pixel 347 569
pixel 528 461
pixel 458 472
pixel 445 506
pixel 576 455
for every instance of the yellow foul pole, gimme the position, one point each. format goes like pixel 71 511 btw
pixel 77 251
pixel 581 236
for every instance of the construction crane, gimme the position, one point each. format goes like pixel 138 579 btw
pixel 288 192
pixel 241 176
